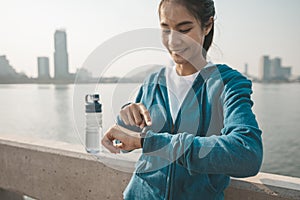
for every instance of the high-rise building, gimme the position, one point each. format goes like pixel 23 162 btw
pixel 265 68
pixel 286 72
pixel 6 70
pixel 43 68
pixel 276 68
pixel 8 74
pixel 61 63
pixel 271 69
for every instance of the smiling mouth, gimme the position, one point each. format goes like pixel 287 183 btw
pixel 178 51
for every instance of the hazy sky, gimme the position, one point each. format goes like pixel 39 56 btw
pixel 245 29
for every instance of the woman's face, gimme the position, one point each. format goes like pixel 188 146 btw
pixel 182 34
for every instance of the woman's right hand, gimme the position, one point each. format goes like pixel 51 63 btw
pixel 136 114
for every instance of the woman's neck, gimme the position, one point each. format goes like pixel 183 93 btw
pixel 188 69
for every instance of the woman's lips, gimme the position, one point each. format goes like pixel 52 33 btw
pixel 178 51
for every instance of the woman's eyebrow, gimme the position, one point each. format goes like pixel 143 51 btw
pixel 178 25
pixel 164 24
pixel 184 23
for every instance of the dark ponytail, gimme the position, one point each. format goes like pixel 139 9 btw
pixel 208 41
pixel 202 10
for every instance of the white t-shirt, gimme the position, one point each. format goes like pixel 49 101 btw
pixel 178 87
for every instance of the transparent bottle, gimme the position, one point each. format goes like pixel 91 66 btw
pixel 93 129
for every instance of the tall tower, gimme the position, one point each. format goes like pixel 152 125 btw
pixel 43 68
pixel 61 63
pixel 276 67
pixel 265 68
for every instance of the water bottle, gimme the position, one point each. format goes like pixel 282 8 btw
pixel 93 129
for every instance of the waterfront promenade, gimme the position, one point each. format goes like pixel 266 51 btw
pixel 46 169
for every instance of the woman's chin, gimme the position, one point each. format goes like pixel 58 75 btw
pixel 178 59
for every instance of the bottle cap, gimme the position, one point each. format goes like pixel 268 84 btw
pixel 92 105
pixel 95 97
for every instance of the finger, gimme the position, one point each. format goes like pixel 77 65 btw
pixel 109 145
pixel 146 115
pixel 124 117
pixel 119 146
pixel 123 147
pixel 137 117
pixel 143 124
pixel 130 118
pixel 107 141
pixel 129 139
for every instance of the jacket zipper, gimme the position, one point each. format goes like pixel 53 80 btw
pixel 170 169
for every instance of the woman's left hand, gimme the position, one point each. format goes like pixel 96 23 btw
pixel 130 140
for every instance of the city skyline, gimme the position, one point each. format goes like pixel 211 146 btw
pixel 25 35
pixel 61 65
pixel 269 69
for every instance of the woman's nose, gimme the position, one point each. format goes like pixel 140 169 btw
pixel 174 39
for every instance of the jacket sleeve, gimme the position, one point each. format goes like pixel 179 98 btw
pixel 237 151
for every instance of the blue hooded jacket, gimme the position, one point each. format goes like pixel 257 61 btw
pixel 215 136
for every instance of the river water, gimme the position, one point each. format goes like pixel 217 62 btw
pixel 56 112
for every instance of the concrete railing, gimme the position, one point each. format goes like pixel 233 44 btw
pixel 56 170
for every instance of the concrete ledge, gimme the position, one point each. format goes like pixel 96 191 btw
pixel 62 172
pixel 264 186
pixel 55 170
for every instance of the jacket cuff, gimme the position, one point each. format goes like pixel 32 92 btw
pixel 154 142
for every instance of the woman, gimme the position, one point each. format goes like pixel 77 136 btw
pixel 194 121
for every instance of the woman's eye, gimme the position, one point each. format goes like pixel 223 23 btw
pixel 166 31
pixel 185 30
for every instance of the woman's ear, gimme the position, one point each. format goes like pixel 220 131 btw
pixel 208 26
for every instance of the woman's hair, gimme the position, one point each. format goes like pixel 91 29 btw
pixel 202 10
